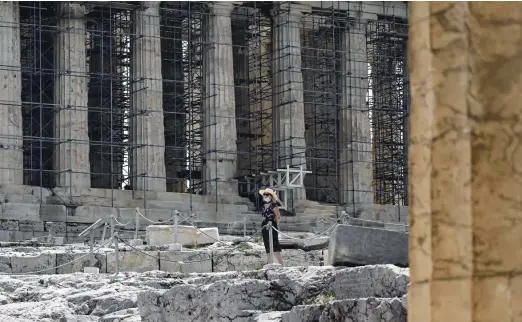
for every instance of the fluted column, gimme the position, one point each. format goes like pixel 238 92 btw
pixel 287 82
pixel 356 173
pixel 71 155
pixel 219 140
pixel 11 131
pixel 465 171
pixel 148 135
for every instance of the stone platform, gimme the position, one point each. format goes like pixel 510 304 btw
pixel 27 212
pixel 220 257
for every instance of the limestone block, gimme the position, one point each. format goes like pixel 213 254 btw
pixel 23 198
pixel 187 235
pixel 12 235
pixel 157 215
pixel 297 257
pixel 168 205
pixel 89 214
pixel 133 261
pixel 53 213
pixel 9 225
pixel 21 211
pixel 55 227
pixel 51 240
pixel 365 246
pixel 42 263
pixel 245 260
pixel 307 243
pixel 5 264
pixel 186 261
pixel 100 261
pixel 26 225
pixel 386 213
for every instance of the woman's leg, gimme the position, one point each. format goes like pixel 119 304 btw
pixel 279 257
pixel 277 246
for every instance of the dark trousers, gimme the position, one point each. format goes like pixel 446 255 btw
pixel 275 237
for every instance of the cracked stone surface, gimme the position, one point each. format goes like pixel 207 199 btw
pixel 248 296
pixel 257 295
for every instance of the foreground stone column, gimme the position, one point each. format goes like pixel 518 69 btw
pixel 11 131
pixel 71 155
pixel 287 82
pixel 219 132
pixel 355 167
pixel 465 169
pixel 148 138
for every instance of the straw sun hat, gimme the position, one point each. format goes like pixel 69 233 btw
pixel 270 192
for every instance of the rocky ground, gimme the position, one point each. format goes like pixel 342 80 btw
pixel 291 294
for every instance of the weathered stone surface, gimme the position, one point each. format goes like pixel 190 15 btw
pixel 366 246
pixel 360 310
pixel 26 225
pixel 133 261
pixel 55 227
pixel 187 235
pixel 5 264
pixel 272 290
pixel 100 261
pixel 21 211
pixel 42 263
pixel 297 257
pixel 89 214
pixel 53 213
pixel 246 259
pixel 186 262
pixel 9 225
pixel 307 243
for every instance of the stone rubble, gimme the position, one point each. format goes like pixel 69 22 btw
pixel 279 295
pixel 249 296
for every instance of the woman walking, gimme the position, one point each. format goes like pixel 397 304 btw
pixel 271 213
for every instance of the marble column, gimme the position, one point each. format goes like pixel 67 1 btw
pixel 219 132
pixel 11 130
pixel 287 82
pixel 465 172
pixel 241 81
pixel 356 173
pixel 148 138
pixel 174 103
pixel 71 155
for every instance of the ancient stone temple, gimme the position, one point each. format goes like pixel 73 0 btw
pixel 195 106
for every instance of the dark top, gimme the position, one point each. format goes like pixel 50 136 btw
pixel 268 211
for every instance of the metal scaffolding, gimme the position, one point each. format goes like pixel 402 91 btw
pixel 389 105
pixel 263 142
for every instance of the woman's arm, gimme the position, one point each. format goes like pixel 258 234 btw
pixel 277 214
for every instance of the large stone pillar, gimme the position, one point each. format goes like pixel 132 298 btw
pixel 219 139
pixel 11 131
pixel 356 173
pixel 71 155
pixel 174 104
pixel 465 170
pixel 148 139
pixel 287 82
